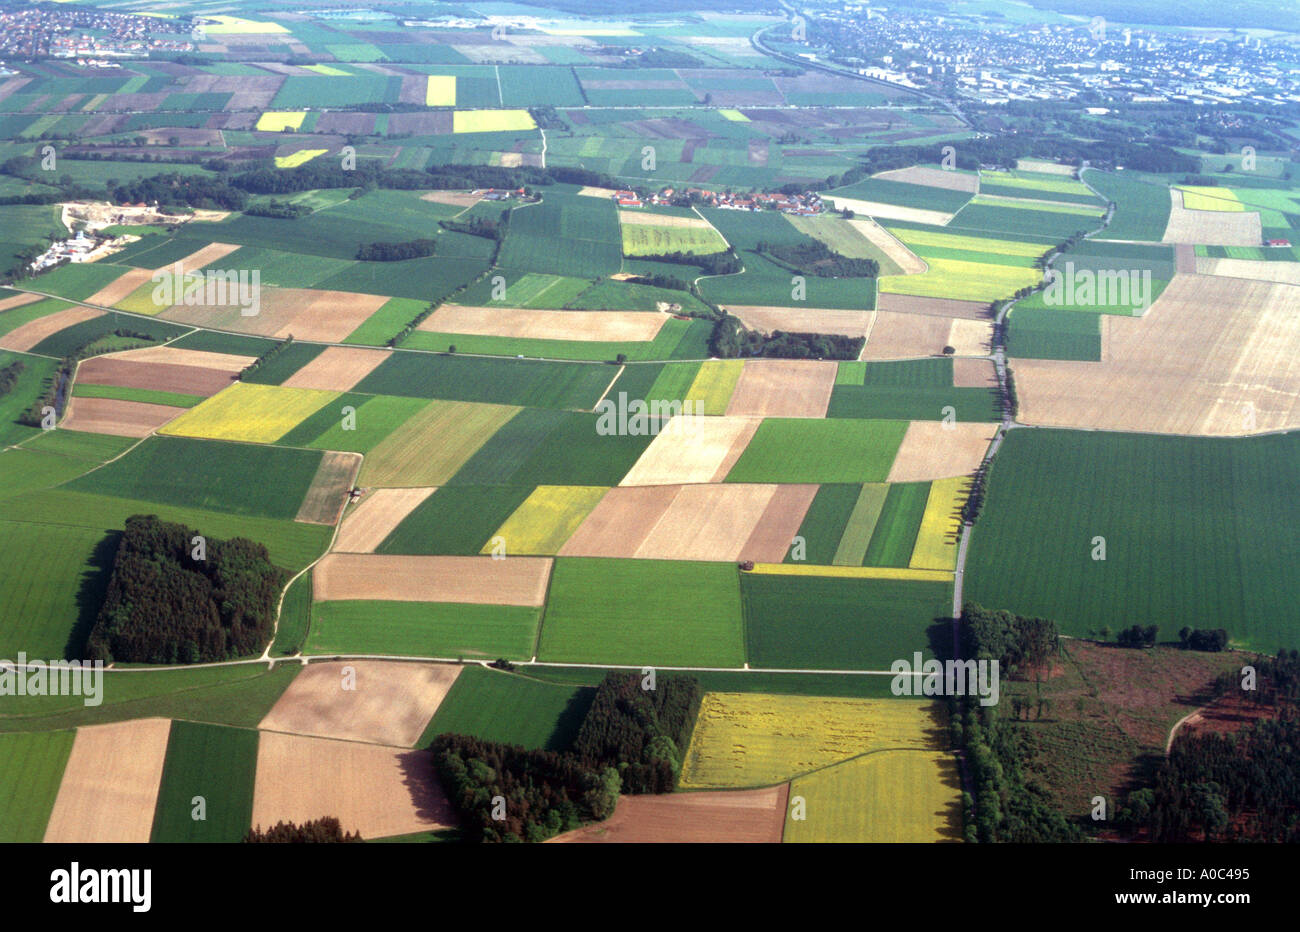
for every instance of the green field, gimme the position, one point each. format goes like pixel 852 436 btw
pixel 239 695
pixel 295 617
pixel 899 522
pixel 1141 212
pixel 815 622
pixel 653 612
pixel 456 519
pixel 566 234
pixel 824 523
pixel 497 706
pixel 216 763
pixel 915 390
pixel 210 475
pixel 1048 333
pixel 423 629
pixel 808 450
pixel 498 381
pixel 31 767
pixel 145 395
pixel 1198 532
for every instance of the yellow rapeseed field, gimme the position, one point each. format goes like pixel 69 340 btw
pixel 1211 198
pixel 889 796
pixel 252 413
pixel 755 739
pixel 713 385
pixel 275 121
pixel 547 518
pixel 936 542
pixel 298 158
pixel 440 91
pixel 491 121
pixel 854 572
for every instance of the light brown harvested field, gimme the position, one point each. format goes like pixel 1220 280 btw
pixel 703 452
pixel 338 368
pixel 1046 168
pixel 307 314
pixel 206 256
pixel 883 211
pixel 379 513
pixel 591 191
pixel 116 417
pixel 19 300
pixel 971 337
pixel 454 198
pixel 1260 270
pixel 176 356
pixel 1212 356
pixel 430 446
pixel 941 307
pixel 707 522
pixel 974 373
pixel 374 790
pixel 474 580
pixel 904 336
pixel 620 522
pixel 188 380
pixel 783 388
pixel 933 178
pixel 934 450
pixel 521 323
pixel 110 785
pixel 1185 258
pixel 803 319
pixel 385 703
pixel 328 492
pixel 1211 227
pixel 120 287
pixel 34 331
pixel 644 219
pixel 715 817
pixel 909 262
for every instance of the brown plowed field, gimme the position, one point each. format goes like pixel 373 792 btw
pixel 523 323
pixel 721 817
pixel 974 373
pixel 377 791
pixel 307 314
pixel 476 580
pixel 620 522
pixel 120 287
pixel 379 513
pixel 110 785
pixel 187 380
pixel 338 368
pixel 18 300
pixel 328 492
pixel 905 336
pixel 119 418
pixel 783 388
pixel 942 307
pixel 387 703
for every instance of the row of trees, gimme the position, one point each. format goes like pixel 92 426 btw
pixel 713 263
pixel 317 831
pixel 174 597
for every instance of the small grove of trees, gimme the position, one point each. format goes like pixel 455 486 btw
pixel 813 257
pixel 631 740
pixel 278 210
pixel 714 263
pixel 1206 639
pixel 1141 636
pixel 9 376
pixel 170 600
pixel 396 252
pixel 730 340
pixel 323 830
pixel 475 226
pixel 1016 642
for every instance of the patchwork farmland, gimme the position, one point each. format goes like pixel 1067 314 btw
pixel 617 414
